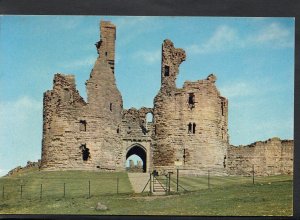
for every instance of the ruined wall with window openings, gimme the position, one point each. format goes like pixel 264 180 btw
pixel 189 127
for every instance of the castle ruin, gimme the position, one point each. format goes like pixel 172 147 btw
pixel 189 129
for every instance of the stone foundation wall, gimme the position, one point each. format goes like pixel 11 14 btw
pixel 270 157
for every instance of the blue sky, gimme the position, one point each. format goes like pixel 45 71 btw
pixel 253 59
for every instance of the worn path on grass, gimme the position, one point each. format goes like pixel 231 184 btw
pixel 138 181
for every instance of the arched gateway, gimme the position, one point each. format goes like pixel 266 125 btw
pixel 139 150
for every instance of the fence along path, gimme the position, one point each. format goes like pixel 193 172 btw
pixel 138 181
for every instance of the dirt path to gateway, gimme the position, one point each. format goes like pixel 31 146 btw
pixel 138 181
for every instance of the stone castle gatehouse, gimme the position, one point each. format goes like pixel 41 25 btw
pixel 189 128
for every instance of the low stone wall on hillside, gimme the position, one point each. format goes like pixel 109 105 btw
pixel 28 165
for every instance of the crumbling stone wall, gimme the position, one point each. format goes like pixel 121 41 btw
pixel 62 109
pixel 190 123
pixel 270 157
pixel 136 131
pixel 134 123
pixel 79 134
pixel 189 128
pixel 20 168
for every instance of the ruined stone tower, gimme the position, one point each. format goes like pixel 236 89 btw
pixel 189 129
pixel 80 135
pixel 190 122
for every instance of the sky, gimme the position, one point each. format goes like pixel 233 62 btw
pixel 253 59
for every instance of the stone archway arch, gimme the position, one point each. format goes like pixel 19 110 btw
pixel 140 151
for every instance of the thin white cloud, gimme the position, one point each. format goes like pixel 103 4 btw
pixel 17 110
pixel 223 37
pixel 137 26
pixel 89 61
pixel 238 89
pixel 226 37
pixel 149 57
pixel 128 22
pixel 274 34
pixel 69 22
pixel 234 89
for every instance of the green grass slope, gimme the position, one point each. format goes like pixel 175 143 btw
pixel 67 192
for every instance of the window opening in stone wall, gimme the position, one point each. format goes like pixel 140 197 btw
pixel 82 125
pixel 194 128
pixel 149 117
pixel 184 156
pixel 106 54
pixel 67 95
pixel 222 108
pixel 85 152
pixel 190 128
pixel 118 130
pixel 110 107
pixel 167 70
pixel 149 121
pixel 191 100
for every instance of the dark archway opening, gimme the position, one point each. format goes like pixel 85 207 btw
pixel 140 152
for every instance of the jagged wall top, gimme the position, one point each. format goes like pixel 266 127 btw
pixel 106 45
pixel 171 59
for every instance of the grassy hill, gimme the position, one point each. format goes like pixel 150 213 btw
pixel 78 192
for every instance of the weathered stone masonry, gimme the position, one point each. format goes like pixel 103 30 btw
pixel 270 157
pixel 73 128
pixel 191 122
pixel 189 128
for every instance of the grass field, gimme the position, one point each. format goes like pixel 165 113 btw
pixel 226 196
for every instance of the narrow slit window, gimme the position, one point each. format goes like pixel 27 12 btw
pixel 106 54
pixel 110 107
pixel 194 128
pixel 167 70
pixel 190 128
pixel 191 100
pixel 82 125
pixel 222 108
